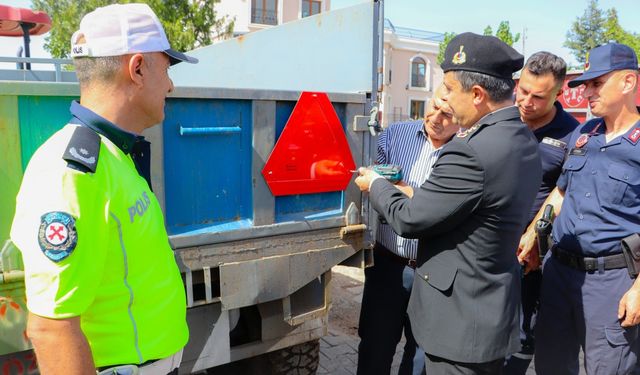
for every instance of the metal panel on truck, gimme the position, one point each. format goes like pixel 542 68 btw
pixel 328 52
pixel 207 164
pixel 256 268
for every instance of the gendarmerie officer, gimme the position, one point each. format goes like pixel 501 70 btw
pixel 588 299
pixel 469 215
pixel 103 288
pixel 539 86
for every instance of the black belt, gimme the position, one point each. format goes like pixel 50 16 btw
pixel 609 262
pixel 383 251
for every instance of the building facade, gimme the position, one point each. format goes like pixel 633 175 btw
pixel 411 72
pixel 254 15
pixel 410 69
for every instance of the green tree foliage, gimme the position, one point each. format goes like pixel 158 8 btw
pixel 596 27
pixel 443 46
pixel 503 33
pixel 613 31
pixel 187 23
pixel 586 32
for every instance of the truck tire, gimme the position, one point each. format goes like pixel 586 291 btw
pixel 301 359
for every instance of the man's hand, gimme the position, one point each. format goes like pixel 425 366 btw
pixel 365 178
pixel 629 307
pixel 528 253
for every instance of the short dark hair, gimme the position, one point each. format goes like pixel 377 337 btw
pixel 543 62
pixel 499 89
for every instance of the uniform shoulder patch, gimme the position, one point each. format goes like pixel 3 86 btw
pixel 635 135
pixel 57 235
pixel 466 132
pixel 554 142
pixel 83 150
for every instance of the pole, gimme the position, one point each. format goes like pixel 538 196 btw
pixel 26 26
pixel 524 38
pixel 373 102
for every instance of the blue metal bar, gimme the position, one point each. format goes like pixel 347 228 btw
pixel 210 130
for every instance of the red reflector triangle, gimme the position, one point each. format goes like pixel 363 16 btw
pixel 312 154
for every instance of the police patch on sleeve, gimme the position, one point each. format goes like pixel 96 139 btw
pixel 57 235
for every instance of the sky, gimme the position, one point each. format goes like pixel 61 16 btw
pixel 545 22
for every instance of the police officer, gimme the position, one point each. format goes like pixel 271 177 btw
pixel 103 288
pixel 539 87
pixel 588 298
pixel 469 215
pixel 415 146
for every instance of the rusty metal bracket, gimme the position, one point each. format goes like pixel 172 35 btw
pixel 293 319
pixel 352 229
pixel 360 123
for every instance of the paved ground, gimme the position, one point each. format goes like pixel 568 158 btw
pixel 338 350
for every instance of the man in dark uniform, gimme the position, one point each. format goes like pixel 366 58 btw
pixel 469 215
pixel 588 298
pixel 539 86
pixel 415 146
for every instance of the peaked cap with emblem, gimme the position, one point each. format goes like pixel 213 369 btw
pixel 482 54
pixel 604 59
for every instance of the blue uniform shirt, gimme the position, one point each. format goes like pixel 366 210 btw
pixel 129 143
pixel 552 152
pixel 601 182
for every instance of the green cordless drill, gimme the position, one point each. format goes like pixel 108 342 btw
pixel 391 172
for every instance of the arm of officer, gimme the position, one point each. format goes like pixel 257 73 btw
pixel 527 249
pixel 405 188
pixel 447 198
pixel 60 346
pixel 385 142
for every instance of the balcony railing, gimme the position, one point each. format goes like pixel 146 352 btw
pixel 264 16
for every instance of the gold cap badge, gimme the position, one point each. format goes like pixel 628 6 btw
pixel 459 57
pixel 586 64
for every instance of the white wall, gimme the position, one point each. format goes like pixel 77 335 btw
pixel 397 91
pixel 240 9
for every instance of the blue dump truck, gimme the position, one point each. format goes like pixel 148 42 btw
pixel 255 247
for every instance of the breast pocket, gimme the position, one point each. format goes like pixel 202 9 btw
pixel 624 185
pixel 573 164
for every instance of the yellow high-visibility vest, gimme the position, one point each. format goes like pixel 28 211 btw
pixel 95 245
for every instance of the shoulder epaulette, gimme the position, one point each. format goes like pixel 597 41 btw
pixel 83 150
pixel 463 133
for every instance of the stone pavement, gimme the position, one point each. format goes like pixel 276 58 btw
pixel 338 350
